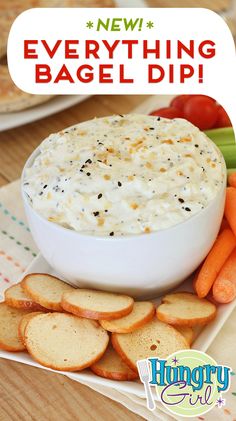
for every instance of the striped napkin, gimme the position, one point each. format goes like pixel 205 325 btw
pixel 17 250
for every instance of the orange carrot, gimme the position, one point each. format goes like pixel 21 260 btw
pixel 230 207
pixel 221 250
pixel 224 288
pixel 232 179
pixel 224 224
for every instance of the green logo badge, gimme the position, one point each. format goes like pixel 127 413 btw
pixel 189 383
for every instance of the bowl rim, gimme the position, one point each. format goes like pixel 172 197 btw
pixel 125 237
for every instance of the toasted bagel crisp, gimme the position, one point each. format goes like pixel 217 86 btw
pixel 65 342
pixel 97 305
pixel 23 323
pixel 12 98
pixel 185 309
pixel 9 321
pixel 142 313
pixel 187 333
pixel 155 339
pixel 46 290
pixel 16 297
pixel 111 366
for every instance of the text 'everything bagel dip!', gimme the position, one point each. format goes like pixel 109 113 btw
pixel 124 175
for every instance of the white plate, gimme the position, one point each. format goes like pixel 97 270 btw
pixel 54 105
pixel 202 343
pixel 39 265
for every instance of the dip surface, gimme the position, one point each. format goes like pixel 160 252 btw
pixel 123 175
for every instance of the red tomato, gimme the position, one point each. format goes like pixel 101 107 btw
pixel 223 119
pixel 201 111
pixel 179 101
pixel 168 112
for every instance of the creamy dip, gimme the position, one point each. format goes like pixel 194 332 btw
pixel 124 175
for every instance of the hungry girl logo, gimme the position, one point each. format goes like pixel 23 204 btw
pixel 189 383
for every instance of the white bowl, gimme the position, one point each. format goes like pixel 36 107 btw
pixel 141 265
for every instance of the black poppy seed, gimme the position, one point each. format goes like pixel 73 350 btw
pixel 119 184
pixel 121 115
pixel 181 200
pixel 63 191
pixel 188 209
pixel 89 161
pixel 96 213
pixel 45 186
pixel 99 160
pixel 110 165
pixel 111 234
pixel 88 174
pixel 106 210
pixel 100 196
pixel 81 170
pixel 196 146
pixel 188 178
pixel 158 118
pixel 151 128
pixel 40 194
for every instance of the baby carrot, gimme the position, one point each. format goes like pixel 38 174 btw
pixel 222 248
pixel 230 208
pixel 224 288
pixel 224 224
pixel 232 179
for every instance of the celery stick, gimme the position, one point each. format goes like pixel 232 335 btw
pixel 224 136
pixel 229 153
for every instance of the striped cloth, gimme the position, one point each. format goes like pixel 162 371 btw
pixel 17 251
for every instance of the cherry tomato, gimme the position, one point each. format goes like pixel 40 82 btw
pixel 179 101
pixel 168 112
pixel 223 119
pixel 205 96
pixel 201 111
